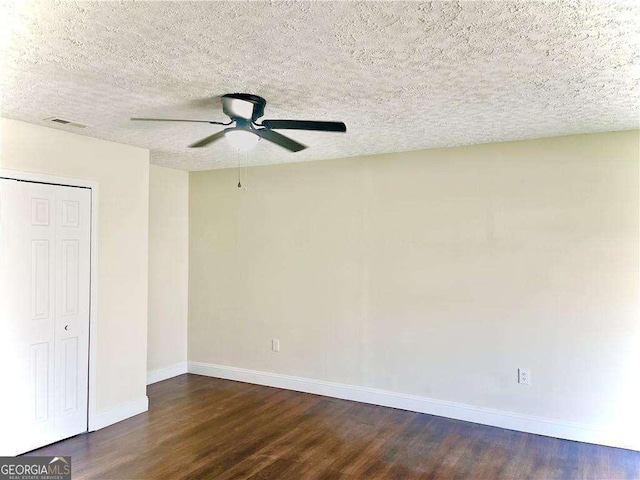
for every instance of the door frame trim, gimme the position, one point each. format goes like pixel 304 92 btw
pixel 93 273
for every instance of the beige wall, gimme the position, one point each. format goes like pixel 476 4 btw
pixel 122 173
pixel 437 273
pixel 168 267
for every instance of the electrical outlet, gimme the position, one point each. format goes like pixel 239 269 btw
pixel 524 376
pixel 275 345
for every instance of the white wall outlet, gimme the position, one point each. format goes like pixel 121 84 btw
pixel 275 345
pixel 524 376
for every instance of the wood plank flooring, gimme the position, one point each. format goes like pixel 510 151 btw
pixel 204 428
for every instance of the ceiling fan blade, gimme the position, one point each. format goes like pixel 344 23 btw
pixel 284 142
pixel 169 120
pixel 210 139
pixel 305 125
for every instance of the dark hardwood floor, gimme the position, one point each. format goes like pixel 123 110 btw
pixel 200 428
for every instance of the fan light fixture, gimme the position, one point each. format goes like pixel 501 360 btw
pixel 241 140
pixel 244 109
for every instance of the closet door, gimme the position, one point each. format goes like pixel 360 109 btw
pixel 73 254
pixel 44 313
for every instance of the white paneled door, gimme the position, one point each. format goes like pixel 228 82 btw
pixel 45 233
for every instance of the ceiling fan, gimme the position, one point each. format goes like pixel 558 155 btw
pixel 244 110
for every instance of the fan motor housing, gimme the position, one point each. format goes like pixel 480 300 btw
pixel 243 105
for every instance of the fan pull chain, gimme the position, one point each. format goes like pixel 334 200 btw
pixel 246 165
pixel 242 173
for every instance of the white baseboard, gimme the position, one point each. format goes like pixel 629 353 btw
pixel 166 372
pixel 118 413
pixel 486 416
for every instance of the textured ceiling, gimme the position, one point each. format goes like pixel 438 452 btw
pixel 401 75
